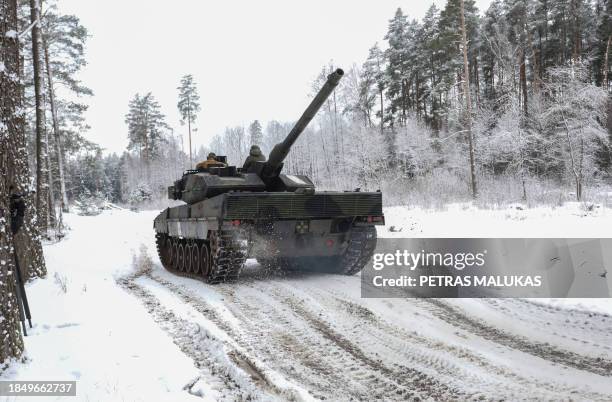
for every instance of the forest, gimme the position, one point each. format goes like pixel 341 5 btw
pixel 521 113
pixel 503 105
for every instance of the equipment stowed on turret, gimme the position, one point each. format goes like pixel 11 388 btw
pixel 280 219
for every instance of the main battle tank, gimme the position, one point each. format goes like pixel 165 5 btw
pixel 231 214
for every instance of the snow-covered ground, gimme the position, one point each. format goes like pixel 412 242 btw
pixel 572 220
pixel 148 335
pixel 95 332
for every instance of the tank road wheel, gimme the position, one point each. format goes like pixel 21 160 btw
pixel 188 248
pixel 175 254
pixel 195 257
pixel 180 257
pixel 170 246
pixel 228 254
pixel 205 260
pixel 362 242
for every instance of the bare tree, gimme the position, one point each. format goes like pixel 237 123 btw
pixel 575 112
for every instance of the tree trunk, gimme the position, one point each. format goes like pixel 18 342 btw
pixel 11 342
pixel 604 84
pixel 189 127
pixel 41 168
pixel 382 113
pixel 183 150
pixel 534 57
pixel 477 81
pixel 468 102
pixel 523 81
pixel 27 240
pixel 416 95
pixel 50 181
pixel 544 45
pixel 59 149
pixel 577 41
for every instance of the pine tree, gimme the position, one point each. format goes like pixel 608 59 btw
pixel 256 133
pixel 398 67
pixel 428 42
pixel 63 42
pixel 11 128
pixel 146 127
pixel 517 15
pixel 494 50
pixel 373 82
pixel 603 47
pixel 451 63
pixel 188 105
pixel 42 185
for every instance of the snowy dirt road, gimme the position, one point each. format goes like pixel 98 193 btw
pixel 295 336
pixel 308 333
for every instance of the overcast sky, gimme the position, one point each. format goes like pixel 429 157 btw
pixel 250 59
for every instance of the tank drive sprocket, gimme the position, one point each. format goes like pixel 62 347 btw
pixel 228 252
pixel 362 242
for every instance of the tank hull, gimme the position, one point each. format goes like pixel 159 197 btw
pixel 295 230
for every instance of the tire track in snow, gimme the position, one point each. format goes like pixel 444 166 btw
pixel 451 363
pixel 572 326
pixel 239 377
pixel 408 376
pixel 325 367
pixel 254 342
pixel 285 341
pixel 456 317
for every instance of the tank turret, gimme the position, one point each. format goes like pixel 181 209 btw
pixel 199 184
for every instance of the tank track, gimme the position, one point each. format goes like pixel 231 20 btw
pixel 362 243
pixel 227 255
pixel 228 252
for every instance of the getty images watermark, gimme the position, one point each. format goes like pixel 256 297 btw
pixel 430 260
pixel 489 268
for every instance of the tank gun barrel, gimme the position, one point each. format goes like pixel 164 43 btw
pixel 280 150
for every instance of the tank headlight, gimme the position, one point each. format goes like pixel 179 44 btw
pixel 302 227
